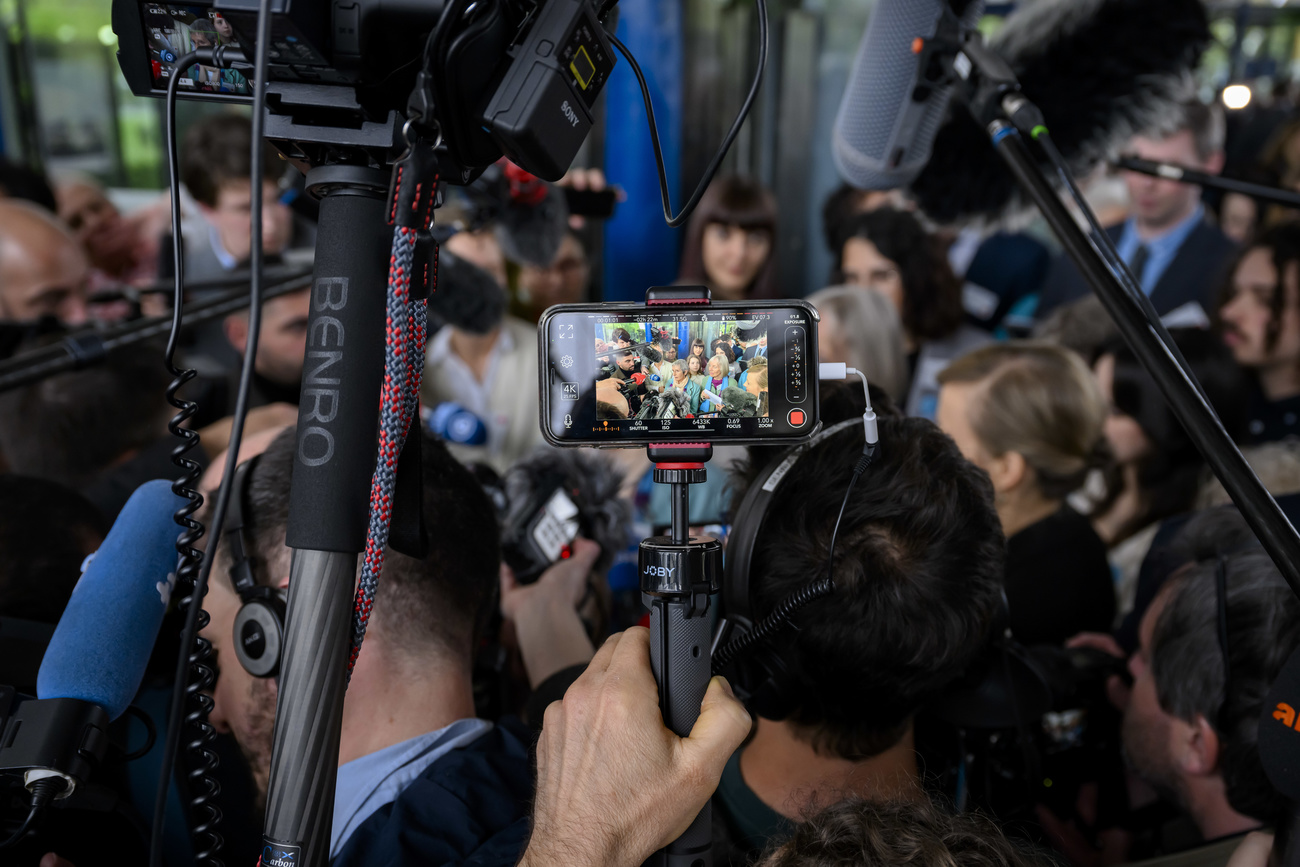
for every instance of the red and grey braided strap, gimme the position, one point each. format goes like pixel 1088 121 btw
pixel 412 199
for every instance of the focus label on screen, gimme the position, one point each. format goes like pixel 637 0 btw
pixel 795 346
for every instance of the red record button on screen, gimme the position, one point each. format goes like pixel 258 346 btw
pixel 797 418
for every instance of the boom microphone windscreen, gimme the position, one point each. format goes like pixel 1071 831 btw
pixel 466 296
pixel 530 233
pixel 106 634
pixel 1099 77
pixel 883 132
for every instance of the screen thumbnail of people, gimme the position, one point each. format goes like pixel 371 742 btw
pixel 172 31
pixel 690 369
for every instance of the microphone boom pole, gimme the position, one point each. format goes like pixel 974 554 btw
pixel 1185 175
pixel 77 351
pixel 991 94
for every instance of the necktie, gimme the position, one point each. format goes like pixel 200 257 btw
pixel 1138 264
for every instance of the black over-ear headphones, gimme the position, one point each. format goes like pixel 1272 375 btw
pixel 760 675
pixel 259 625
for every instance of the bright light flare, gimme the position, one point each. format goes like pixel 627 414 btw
pixel 1236 96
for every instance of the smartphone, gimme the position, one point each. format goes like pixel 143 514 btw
pixel 591 203
pixel 610 374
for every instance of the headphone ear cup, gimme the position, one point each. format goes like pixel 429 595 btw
pixel 763 680
pixel 259 635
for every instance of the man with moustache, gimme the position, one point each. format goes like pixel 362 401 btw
pixel 1260 318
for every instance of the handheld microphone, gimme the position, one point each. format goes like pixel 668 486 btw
pixel 893 105
pixel 737 401
pixel 1186 175
pixel 533 220
pixel 99 651
pixel 553 495
pixel 103 641
pixel 453 423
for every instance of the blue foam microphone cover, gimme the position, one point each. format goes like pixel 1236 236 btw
pixel 453 423
pixel 104 638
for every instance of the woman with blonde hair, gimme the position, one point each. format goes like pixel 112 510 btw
pixel 1032 416
pixel 862 329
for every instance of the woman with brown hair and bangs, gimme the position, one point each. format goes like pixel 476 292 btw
pixel 731 241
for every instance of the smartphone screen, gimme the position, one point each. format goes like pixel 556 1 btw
pixel 625 374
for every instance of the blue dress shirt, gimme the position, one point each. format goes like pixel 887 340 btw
pixel 368 783
pixel 1162 250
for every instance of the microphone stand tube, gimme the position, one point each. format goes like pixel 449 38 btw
pixel 329 506
pixel 1185 175
pixel 83 349
pixel 1258 507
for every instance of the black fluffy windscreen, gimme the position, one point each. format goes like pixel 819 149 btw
pixel 1100 71
pixel 466 296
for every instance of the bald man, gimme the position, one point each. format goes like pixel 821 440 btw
pixel 43 270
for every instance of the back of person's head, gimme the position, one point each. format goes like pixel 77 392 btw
pixel 932 306
pixel 918 573
pixel 733 200
pixel 46 532
pixel 1082 326
pixel 425 606
pixel 862 329
pixel 216 152
pixel 1039 400
pixel 1188 666
pixel 861 833
pixel 70 427
pixel 19 182
pixel 1170 473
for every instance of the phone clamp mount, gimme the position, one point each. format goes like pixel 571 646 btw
pixel 679 574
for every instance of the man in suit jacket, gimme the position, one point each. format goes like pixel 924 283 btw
pixel 1175 254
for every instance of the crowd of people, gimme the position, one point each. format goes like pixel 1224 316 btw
pixel 645 376
pixel 1047 641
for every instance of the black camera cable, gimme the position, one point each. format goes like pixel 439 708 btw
pixel 193 674
pixel 730 137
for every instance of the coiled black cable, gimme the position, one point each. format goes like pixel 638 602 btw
pixel 192 673
pixel 194 677
pixel 772 623
pixel 811 592
pixel 730 137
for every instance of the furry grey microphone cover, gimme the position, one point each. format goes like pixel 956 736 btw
pixel 466 296
pixel 597 480
pixel 1100 71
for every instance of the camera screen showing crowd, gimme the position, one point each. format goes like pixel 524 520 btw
pixel 733 373
pixel 174 31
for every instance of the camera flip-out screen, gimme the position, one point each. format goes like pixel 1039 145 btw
pixel 171 31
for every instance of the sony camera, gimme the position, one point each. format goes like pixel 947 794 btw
pixel 488 78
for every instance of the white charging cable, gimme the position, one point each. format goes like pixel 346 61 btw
pixel 836 370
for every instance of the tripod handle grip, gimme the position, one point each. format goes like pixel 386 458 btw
pixel 679 658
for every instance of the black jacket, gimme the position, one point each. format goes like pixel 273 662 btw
pixel 1194 274
pixel 1058 580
